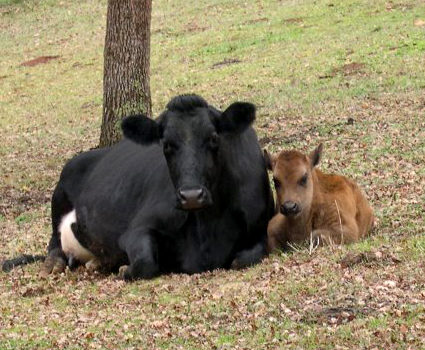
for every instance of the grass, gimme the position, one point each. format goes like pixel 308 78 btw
pixel 308 66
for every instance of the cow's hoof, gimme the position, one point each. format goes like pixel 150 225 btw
pixel 122 270
pixel 237 265
pixel 92 265
pixel 140 269
pixel 52 265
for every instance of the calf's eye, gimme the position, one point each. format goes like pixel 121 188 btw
pixel 303 180
pixel 276 183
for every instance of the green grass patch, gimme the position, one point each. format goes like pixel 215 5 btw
pixel 310 67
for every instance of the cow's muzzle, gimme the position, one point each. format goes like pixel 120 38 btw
pixel 193 198
pixel 290 208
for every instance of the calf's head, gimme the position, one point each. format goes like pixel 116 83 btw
pixel 190 132
pixel 292 177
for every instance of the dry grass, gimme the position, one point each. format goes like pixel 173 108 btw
pixel 350 74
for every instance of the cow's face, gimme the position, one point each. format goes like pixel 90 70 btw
pixel 190 133
pixel 292 177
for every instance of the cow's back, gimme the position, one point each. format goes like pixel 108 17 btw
pixel 77 170
pixel 130 179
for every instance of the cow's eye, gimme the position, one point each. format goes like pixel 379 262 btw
pixel 169 147
pixel 276 183
pixel 213 141
pixel 303 180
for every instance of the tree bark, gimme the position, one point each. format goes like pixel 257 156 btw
pixel 126 86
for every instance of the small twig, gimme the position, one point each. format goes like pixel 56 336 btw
pixel 311 243
pixel 340 222
pixel 293 247
pixel 313 246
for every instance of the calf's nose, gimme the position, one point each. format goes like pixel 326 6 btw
pixel 193 198
pixel 289 208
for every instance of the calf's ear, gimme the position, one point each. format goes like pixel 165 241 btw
pixel 316 155
pixel 141 129
pixel 236 118
pixel 270 160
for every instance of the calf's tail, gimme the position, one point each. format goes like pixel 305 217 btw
pixel 24 259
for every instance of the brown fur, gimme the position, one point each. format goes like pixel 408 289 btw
pixel 332 207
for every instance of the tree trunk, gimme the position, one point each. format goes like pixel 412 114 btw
pixel 126 88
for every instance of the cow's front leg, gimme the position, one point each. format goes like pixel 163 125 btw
pixel 142 252
pixel 250 257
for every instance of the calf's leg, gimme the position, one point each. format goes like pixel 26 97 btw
pixel 276 237
pixel 343 234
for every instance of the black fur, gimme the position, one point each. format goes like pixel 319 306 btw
pixel 141 129
pixel 128 203
pixel 185 103
pixel 237 117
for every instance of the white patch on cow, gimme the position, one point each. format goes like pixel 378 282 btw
pixel 70 245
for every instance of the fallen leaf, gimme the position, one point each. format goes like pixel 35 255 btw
pixel 419 22
pixel 39 60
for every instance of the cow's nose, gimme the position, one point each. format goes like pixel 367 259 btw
pixel 192 194
pixel 289 208
pixel 193 198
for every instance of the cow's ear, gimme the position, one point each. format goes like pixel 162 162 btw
pixel 270 160
pixel 141 129
pixel 316 155
pixel 236 118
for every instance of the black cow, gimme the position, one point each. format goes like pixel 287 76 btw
pixel 188 193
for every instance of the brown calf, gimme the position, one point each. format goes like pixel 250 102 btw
pixel 314 205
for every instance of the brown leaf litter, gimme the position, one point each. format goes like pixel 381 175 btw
pixel 39 60
pixel 368 259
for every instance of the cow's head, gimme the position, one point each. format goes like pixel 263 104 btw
pixel 292 177
pixel 190 132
